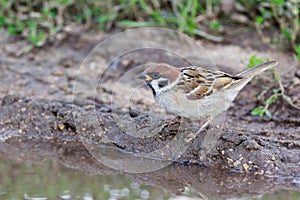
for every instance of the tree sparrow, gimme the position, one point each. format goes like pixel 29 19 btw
pixel 193 92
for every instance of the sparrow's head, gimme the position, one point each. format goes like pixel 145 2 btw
pixel 160 77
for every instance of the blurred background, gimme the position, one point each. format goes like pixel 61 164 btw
pixel 45 22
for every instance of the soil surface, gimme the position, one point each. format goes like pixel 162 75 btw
pixel 65 98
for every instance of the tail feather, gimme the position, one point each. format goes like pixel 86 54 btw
pixel 257 70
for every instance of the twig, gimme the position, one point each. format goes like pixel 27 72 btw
pixel 208 36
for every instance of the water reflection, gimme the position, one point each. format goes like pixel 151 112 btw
pixel 33 169
pixel 51 180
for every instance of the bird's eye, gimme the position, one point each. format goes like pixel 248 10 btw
pixel 156 75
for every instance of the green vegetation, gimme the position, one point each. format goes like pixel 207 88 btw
pixel 297 49
pixel 263 109
pixel 254 61
pixel 40 21
pixel 284 14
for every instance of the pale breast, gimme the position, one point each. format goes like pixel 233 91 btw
pixel 209 106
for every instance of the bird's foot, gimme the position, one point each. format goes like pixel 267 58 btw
pixel 170 123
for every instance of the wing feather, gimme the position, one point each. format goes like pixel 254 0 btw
pixel 197 83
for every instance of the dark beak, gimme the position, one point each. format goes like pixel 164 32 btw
pixel 144 76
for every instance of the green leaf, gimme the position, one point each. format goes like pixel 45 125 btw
pixel 36 38
pixel 215 25
pixel 194 8
pixel 259 111
pixel 132 2
pixel 102 20
pixel 129 23
pixel 66 2
pixel 2 21
pixel 297 49
pixel 254 61
pixel 271 100
pixel 277 2
pixel 158 17
pixel 12 30
pixel 259 20
pixel 286 34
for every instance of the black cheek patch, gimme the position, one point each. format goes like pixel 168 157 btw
pixel 162 84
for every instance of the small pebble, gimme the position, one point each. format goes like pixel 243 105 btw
pixel 236 163
pixel 273 158
pixel 61 126
pixel 229 160
pixel 246 167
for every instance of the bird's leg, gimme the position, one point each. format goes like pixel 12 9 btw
pixel 173 121
pixel 192 136
pixel 212 135
pixel 170 123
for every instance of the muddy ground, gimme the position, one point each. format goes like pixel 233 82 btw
pixel 42 110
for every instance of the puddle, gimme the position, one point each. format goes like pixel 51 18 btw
pixel 52 180
pixel 33 169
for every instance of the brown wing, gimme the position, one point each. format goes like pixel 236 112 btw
pixel 198 83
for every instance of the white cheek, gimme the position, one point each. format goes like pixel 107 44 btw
pixel 155 86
